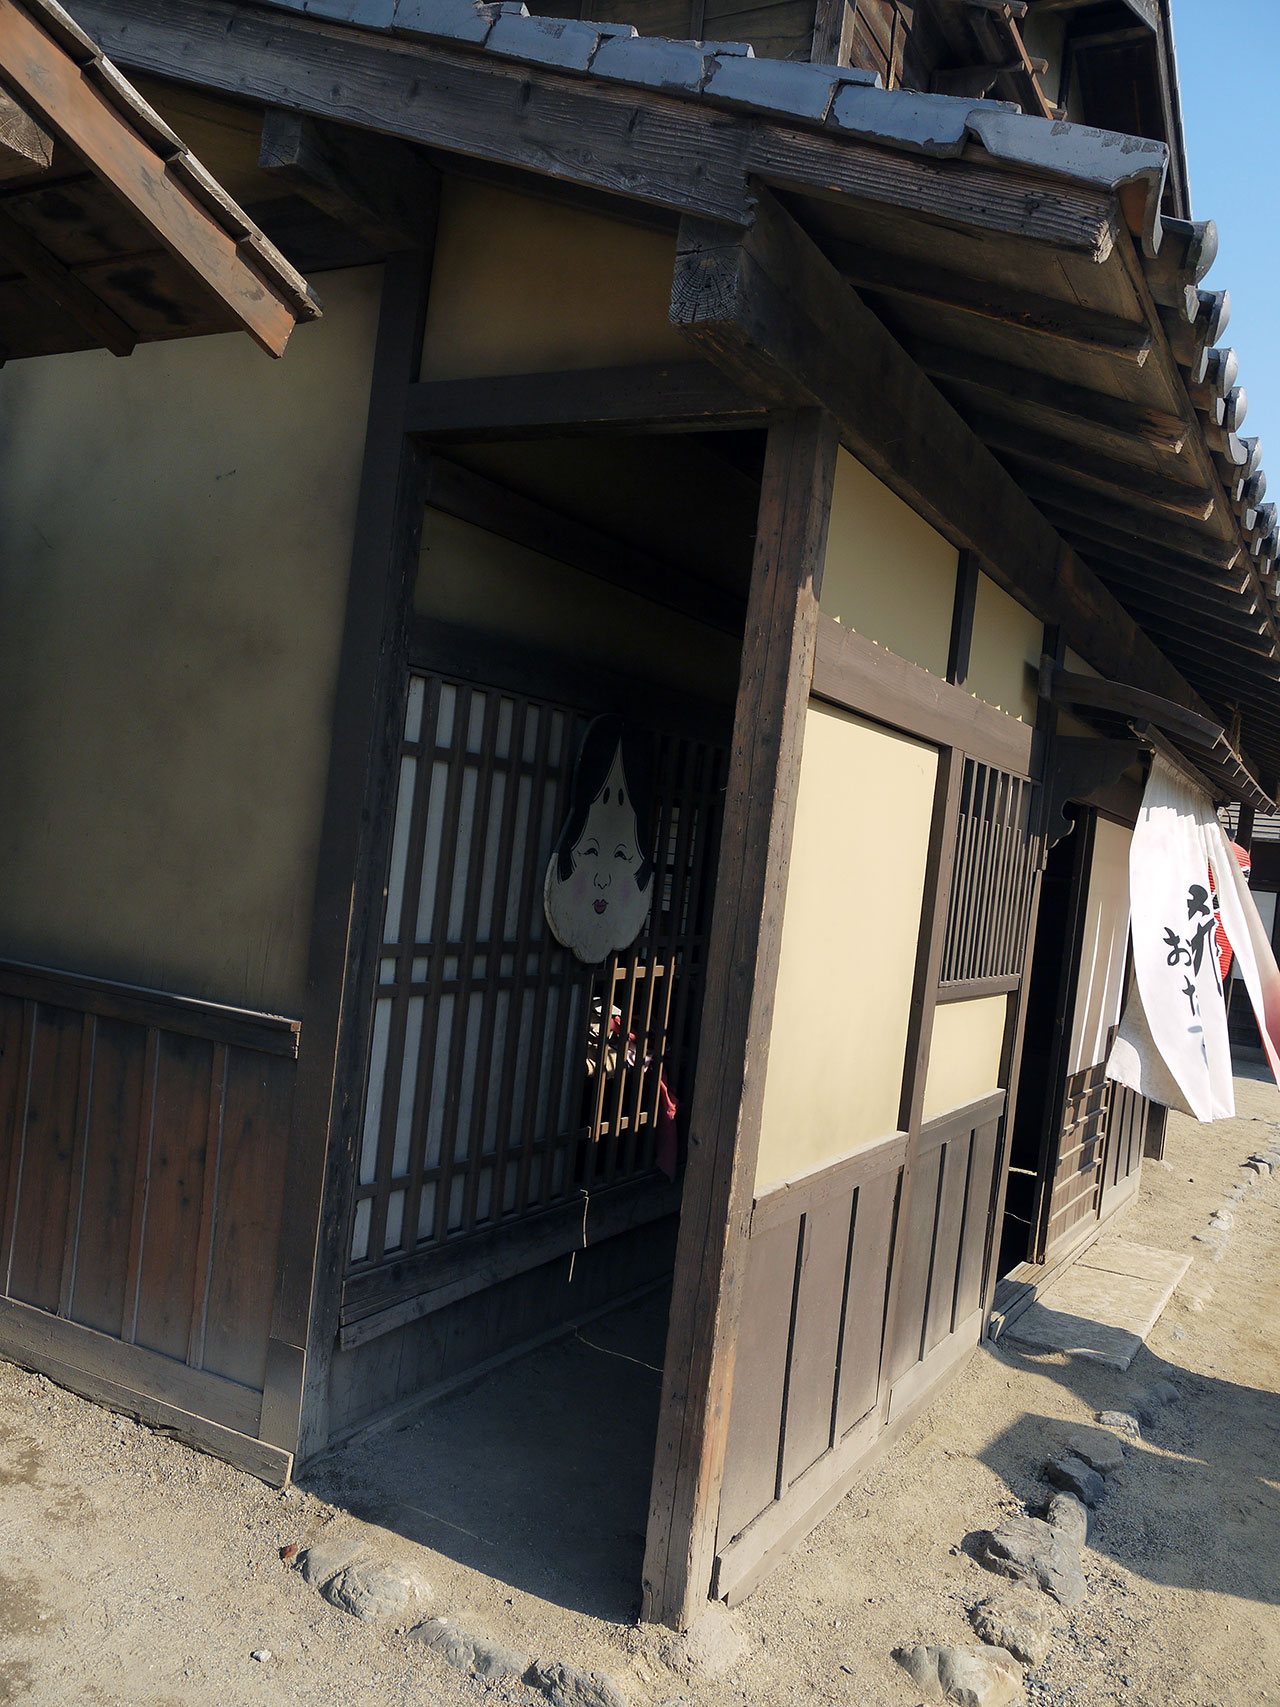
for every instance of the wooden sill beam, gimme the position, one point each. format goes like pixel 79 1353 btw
pixel 1062 323
pixel 677 396
pixel 473 498
pixel 772 309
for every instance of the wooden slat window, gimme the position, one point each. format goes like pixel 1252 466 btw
pixel 505 1076
pixel 993 879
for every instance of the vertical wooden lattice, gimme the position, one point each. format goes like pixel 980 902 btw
pixel 993 879
pixel 505 1076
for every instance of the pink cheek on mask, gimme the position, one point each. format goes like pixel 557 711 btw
pixel 627 888
pixel 580 886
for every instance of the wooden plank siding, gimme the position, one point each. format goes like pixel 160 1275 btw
pixel 143 1174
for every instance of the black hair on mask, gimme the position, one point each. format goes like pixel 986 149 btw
pixel 595 756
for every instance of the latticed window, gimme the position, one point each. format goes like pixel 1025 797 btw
pixel 505 1076
pixel 993 878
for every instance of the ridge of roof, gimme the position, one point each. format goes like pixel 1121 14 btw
pixel 177 160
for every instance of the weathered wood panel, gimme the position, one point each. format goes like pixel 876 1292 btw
pixel 144 1173
pixel 808 1355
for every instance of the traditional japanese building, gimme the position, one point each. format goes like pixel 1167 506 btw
pixel 843 411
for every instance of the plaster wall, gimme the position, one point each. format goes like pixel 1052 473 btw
pixel 964 1053
pixel 178 530
pixel 521 285
pixel 855 892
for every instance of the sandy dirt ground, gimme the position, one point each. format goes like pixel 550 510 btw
pixel 137 1573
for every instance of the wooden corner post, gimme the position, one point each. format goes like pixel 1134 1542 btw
pixel 742 965
pixel 361 763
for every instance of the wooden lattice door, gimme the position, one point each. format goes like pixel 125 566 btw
pixel 506 1078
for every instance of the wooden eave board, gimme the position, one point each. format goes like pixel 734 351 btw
pixel 145 234
pixel 1010 268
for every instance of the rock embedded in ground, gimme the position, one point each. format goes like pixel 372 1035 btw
pixel 1122 1423
pixel 470 1651
pixel 1066 1513
pixel 1030 1551
pixel 1223 1220
pixel 1077 1478
pixel 566 1686
pixel 374 1593
pixel 1097 1448
pixel 970 1677
pixel 1150 1403
pixel 321 1563
pixel 1018 1622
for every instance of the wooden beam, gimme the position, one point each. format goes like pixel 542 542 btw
pixel 854 673
pixel 1074 465
pixel 1080 410
pixel 377 186
pixel 670 396
pixel 101 324
pixel 1099 541
pixel 1062 323
pixel 359 795
pixel 770 307
pixel 25 146
pixel 56 92
pixel 742 966
pixel 682 155
pixel 474 498
pixel 1123 518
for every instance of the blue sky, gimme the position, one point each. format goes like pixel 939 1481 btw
pixel 1228 53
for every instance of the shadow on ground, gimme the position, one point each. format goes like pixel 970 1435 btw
pixel 536 1474
pixel 1197 1503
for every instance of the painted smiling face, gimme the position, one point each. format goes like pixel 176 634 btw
pixel 600 880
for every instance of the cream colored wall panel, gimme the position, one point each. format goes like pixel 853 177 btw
pixel 1104 948
pixel 177 539
pixel 888 574
pixel 852 923
pixel 1005 652
pixel 474 578
pixel 521 285
pixel 964 1053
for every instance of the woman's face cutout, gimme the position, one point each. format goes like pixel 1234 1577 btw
pixel 601 907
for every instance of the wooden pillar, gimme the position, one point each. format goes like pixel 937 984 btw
pixel 742 965
pixel 327 1093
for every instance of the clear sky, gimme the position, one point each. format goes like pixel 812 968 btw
pixel 1228 55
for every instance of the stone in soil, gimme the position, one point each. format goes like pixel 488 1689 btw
pixel 321 1563
pixel 374 1593
pixel 1065 1512
pixel 1150 1403
pixel 970 1677
pixel 470 1652
pixel 1122 1423
pixel 1077 1478
pixel 1098 1448
pixel 566 1686
pixel 1018 1622
pixel 1032 1552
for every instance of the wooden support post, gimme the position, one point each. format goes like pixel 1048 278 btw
pixel 330 1058
pixel 742 965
